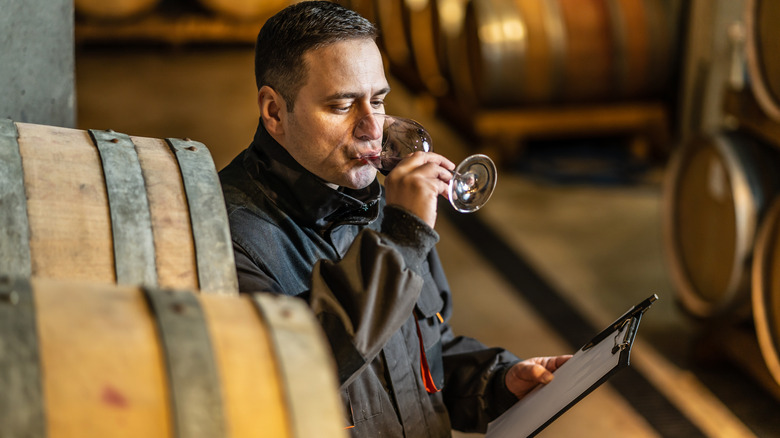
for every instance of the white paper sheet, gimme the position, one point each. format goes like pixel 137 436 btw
pixel 577 376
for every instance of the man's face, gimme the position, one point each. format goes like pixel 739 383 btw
pixel 345 82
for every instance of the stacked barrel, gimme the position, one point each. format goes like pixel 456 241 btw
pixel 718 190
pixel 175 22
pixel 115 10
pixel 722 209
pixel 119 311
pixel 507 73
pixel 764 68
pixel 495 53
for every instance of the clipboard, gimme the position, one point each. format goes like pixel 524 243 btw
pixel 598 360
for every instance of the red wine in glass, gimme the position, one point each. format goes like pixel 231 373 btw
pixel 472 182
pixel 384 165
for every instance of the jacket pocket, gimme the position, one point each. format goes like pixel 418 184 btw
pixel 364 400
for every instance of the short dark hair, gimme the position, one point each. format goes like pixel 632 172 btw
pixel 296 29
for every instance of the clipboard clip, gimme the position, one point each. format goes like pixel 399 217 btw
pixel 633 313
pixel 622 345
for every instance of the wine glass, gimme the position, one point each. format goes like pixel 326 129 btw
pixel 472 182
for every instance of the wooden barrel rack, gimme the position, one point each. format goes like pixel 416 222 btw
pixel 503 133
pixel 507 71
pixel 751 339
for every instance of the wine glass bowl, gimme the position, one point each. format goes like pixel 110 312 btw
pixel 400 137
pixel 472 182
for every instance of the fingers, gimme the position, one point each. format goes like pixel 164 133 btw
pixel 526 375
pixel 530 371
pixel 428 166
pixel 558 361
pixel 419 159
pixel 551 363
pixel 423 170
pixel 416 182
pixel 439 160
pixel 534 372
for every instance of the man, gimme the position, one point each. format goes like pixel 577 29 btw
pixel 309 219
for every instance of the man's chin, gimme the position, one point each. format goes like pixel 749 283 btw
pixel 362 178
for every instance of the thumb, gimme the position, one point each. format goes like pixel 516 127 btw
pixel 535 373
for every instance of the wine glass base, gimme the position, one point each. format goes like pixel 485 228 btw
pixel 473 183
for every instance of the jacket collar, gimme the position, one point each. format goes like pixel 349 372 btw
pixel 303 195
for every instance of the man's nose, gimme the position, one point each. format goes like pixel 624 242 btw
pixel 369 127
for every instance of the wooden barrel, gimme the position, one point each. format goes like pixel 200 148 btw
pixel 450 19
pixel 717 189
pixel 766 290
pixel 543 51
pixel 423 52
pixel 485 55
pixel 589 53
pixel 412 38
pixel 113 9
pixel 425 37
pixel 553 51
pixel 393 36
pixel 94 360
pixel 103 206
pixel 646 44
pixel 245 9
pixel 763 47
pixel 365 8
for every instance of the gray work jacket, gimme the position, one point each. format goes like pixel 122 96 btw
pixel 371 275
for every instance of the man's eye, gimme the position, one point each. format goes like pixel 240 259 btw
pixel 378 103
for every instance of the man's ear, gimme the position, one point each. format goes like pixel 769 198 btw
pixel 272 111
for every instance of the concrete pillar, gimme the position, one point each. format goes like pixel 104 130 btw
pixel 37 62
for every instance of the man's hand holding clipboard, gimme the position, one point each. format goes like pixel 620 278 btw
pixel 594 363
